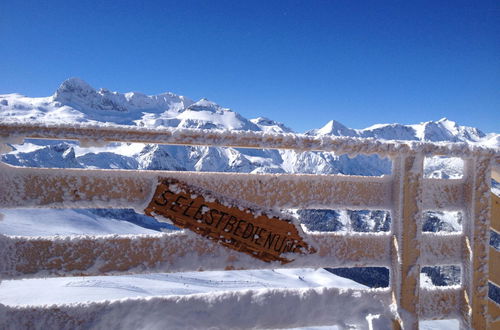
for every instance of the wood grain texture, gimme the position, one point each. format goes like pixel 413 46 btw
pixel 476 251
pixel 76 188
pixel 407 213
pixel 495 213
pixel 227 222
pixel 169 252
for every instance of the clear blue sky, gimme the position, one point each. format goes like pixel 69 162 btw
pixel 299 62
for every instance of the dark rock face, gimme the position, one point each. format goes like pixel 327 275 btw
pixel 494 292
pixel 373 277
pixel 61 155
pixel 321 220
pixel 443 275
pixel 346 220
pixel 434 221
pixel 495 239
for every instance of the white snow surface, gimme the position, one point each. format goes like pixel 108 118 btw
pixel 97 288
pixel 35 222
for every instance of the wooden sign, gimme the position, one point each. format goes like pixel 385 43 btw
pixel 228 222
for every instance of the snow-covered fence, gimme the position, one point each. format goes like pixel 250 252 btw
pixel 404 250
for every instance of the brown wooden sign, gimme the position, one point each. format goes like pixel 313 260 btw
pixel 228 222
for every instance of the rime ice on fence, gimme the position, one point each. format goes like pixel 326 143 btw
pixel 407 193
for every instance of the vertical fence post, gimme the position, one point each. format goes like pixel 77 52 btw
pixel 406 229
pixel 494 263
pixel 476 229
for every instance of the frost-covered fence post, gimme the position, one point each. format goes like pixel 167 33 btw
pixel 476 229
pixel 494 257
pixel 407 213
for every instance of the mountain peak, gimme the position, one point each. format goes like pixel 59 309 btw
pixel 206 105
pixel 444 119
pixel 264 121
pixel 270 126
pixel 74 85
pixel 333 127
pixel 446 130
pixel 78 94
pixel 446 122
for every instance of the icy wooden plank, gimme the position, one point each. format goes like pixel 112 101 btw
pixel 495 171
pixel 494 314
pixel 74 188
pixel 238 139
pixel 494 266
pixel 440 302
pixel 441 249
pixel 494 262
pixel 443 194
pixel 26 187
pixel 495 213
pixel 407 213
pixel 256 309
pixel 476 229
pixel 22 257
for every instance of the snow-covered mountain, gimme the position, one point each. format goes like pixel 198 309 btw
pixel 441 130
pixel 77 101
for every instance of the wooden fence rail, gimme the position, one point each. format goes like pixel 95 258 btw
pixel 404 250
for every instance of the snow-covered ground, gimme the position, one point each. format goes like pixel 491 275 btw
pixel 82 289
pixel 71 290
pixel 33 222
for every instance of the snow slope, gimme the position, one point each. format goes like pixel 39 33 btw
pixel 35 222
pixel 81 289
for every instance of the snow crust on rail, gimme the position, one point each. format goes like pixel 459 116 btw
pixel 99 134
pixel 84 188
pixel 35 257
pixel 270 308
pixel 242 309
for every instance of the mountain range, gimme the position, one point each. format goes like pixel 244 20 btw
pixel 75 101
